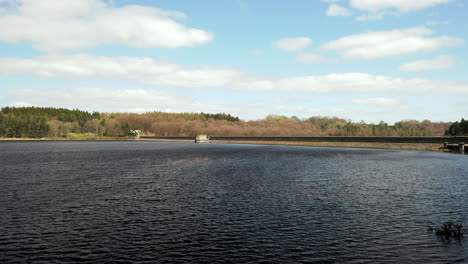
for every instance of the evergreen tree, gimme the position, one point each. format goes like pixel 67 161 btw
pixel 458 128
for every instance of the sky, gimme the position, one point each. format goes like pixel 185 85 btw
pixel 363 60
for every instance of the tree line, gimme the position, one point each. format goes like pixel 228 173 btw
pixel 38 122
pixel 458 128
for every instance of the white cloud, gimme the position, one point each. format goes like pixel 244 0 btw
pixel 308 57
pixel 144 70
pixel 372 17
pixel 168 75
pixel 377 9
pixel 336 10
pixel 64 25
pixel 380 44
pixel 436 23
pixel 376 6
pixel 353 83
pixel 377 101
pixel 293 44
pixel 441 62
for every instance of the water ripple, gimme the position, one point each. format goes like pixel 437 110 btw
pixel 148 202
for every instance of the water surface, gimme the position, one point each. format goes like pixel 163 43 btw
pixel 166 202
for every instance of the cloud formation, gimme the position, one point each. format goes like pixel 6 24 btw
pixel 381 44
pixel 404 6
pixel 352 83
pixel 155 73
pixel 440 62
pixel 71 25
pixel 293 44
pixel 336 10
pixel 377 9
pixel 309 57
pixel 146 71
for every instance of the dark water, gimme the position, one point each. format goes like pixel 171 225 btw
pixel 148 202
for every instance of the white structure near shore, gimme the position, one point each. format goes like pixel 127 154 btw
pixel 136 133
pixel 202 139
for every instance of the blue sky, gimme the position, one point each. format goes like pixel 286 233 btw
pixel 365 60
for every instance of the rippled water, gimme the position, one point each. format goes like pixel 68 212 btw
pixel 150 202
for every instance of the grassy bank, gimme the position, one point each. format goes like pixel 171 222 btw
pixel 376 145
pixel 396 146
pixel 68 138
pixel 22 139
pixel 167 140
pixel 72 136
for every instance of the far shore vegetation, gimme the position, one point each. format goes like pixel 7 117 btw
pixel 60 123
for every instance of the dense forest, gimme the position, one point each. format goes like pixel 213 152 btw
pixel 458 128
pixel 39 122
pixel 36 122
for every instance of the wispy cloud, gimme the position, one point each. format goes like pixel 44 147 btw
pixel 355 83
pixel 168 75
pixel 440 62
pixel 336 10
pixel 376 10
pixel 143 70
pixel 399 5
pixel 309 57
pixel 436 23
pixel 293 44
pixel 380 44
pixel 371 10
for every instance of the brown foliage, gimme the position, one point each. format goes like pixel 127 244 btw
pixel 188 124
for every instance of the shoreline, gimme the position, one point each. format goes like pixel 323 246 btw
pixel 67 139
pixel 391 146
pixel 435 147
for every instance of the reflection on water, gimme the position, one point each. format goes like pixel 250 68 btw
pixel 216 203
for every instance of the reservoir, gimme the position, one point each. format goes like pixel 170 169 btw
pixel 180 202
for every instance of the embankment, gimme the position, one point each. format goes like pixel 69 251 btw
pixel 403 143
